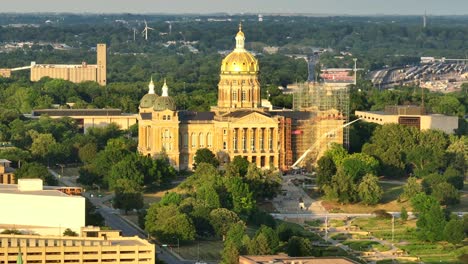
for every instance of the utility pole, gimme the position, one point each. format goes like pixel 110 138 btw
pixel 355 70
pixel 393 227
pixel 326 227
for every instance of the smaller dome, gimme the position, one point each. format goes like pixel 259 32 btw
pixel 163 103
pixel 148 100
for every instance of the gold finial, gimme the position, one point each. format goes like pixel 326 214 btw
pixel 240 26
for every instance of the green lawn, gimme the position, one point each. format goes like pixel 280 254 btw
pixel 405 239
pixel 360 245
pixel 201 250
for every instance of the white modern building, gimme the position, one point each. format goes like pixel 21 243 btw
pixel 29 208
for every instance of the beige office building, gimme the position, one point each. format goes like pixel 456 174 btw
pixel 54 249
pixel 89 118
pixel 75 73
pixel 414 116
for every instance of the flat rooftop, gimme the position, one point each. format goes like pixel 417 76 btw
pixel 13 189
pixel 77 112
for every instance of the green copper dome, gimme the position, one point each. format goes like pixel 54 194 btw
pixel 148 99
pixel 163 103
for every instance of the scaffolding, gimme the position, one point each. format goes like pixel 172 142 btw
pixel 328 105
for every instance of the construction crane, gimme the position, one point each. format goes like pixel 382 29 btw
pixel 301 158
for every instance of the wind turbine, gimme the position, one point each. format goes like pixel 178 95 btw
pixel 145 31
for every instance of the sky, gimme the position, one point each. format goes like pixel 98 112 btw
pixel 325 7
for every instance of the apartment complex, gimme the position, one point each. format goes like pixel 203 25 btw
pixel 54 249
pixel 75 72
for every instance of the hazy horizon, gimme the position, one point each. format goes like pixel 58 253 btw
pixel 313 7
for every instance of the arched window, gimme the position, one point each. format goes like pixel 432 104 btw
pixel 194 140
pixel 202 140
pixel 209 140
pixel 234 95
pixel 244 95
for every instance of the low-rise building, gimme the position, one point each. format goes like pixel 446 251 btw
pixel 7 173
pixel 409 115
pixel 108 248
pixel 88 118
pixel 30 208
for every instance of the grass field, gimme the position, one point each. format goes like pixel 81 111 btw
pixel 201 250
pixel 405 238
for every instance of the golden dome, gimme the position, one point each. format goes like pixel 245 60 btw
pixel 239 60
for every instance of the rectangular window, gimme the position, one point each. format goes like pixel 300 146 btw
pixel 224 145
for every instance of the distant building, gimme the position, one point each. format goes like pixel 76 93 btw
pixel 338 75
pixel 284 259
pixel 411 116
pixel 7 173
pixel 107 247
pixel 88 118
pixel 30 208
pixel 74 73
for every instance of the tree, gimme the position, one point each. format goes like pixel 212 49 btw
pixel 235 235
pixel 337 153
pixel 69 232
pixel 431 219
pixel 285 232
pixel 263 184
pixel 42 145
pixel 167 223
pixel 389 144
pixel 445 193
pixel 128 200
pixel 222 219
pixel 242 197
pixel 359 164
pixel 241 165
pixel 171 198
pixel 230 253
pixel 205 155
pixel 126 175
pixel 411 188
pixel 271 237
pixel 88 152
pixel 208 197
pixel 325 170
pixel 404 214
pixel 34 170
pixel 453 232
pixel 369 190
pixel 299 247
pixel 259 245
pixel 342 188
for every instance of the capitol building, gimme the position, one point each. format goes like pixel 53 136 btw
pixel 238 125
